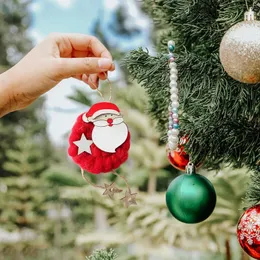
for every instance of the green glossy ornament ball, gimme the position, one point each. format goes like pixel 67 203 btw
pixel 191 198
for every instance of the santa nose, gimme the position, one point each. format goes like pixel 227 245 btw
pixel 110 121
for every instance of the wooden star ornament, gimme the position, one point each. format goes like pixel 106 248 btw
pixel 111 190
pixel 129 199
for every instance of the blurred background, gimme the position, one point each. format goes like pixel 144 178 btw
pixel 47 211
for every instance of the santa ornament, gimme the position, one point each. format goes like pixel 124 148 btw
pixel 99 143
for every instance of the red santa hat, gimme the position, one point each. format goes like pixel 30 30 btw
pixel 101 109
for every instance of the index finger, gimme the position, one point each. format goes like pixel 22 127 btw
pixel 82 42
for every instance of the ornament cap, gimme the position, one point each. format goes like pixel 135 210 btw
pixel 250 15
pixel 190 168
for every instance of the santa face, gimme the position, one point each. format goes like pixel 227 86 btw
pixel 109 132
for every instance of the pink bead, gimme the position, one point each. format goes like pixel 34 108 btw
pixel 176 121
pixel 172 59
pixel 170 127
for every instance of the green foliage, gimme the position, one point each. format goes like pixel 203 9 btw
pixel 27 159
pixel 14 21
pixel 229 205
pixel 24 148
pixel 220 115
pixel 254 188
pixel 29 124
pixel 121 25
pixel 81 97
pixel 60 176
pixel 22 205
pixel 153 225
pixel 103 255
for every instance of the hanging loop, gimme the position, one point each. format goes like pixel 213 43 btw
pixel 190 168
pixel 99 92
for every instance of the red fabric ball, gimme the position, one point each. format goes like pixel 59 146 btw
pixel 248 231
pixel 98 161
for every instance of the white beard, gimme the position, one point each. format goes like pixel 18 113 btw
pixel 108 138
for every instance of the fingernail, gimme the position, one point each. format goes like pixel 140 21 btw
pixel 105 63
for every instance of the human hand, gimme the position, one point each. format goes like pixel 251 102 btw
pixel 58 57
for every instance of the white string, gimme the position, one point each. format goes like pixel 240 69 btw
pixel 110 89
pixel 99 92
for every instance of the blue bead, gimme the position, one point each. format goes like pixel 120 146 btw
pixel 171 48
pixel 175 110
pixel 176 126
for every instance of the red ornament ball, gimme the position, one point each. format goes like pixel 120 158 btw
pixel 248 231
pixel 178 158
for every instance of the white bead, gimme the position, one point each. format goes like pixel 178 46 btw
pixel 175 104
pixel 174 115
pixel 174 97
pixel 172 133
pixel 172 65
pixel 174 90
pixel 174 71
pixel 173 77
pixel 169 132
pixel 173 138
pixel 172 146
pixel 175 132
pixel 173 84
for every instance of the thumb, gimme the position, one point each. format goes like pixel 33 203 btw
pixel 68 67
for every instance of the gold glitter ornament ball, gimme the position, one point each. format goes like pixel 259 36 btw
pixel 240 50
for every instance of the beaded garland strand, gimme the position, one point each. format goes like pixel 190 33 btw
pixel 173 130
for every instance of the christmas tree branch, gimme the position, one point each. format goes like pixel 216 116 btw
pixel 103 255
pixel 220 115
pixel 253 192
